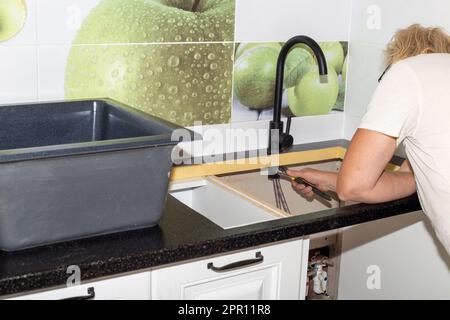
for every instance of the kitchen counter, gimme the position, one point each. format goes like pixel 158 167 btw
pixel 182 234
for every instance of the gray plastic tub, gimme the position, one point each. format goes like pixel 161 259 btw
pixel 71 170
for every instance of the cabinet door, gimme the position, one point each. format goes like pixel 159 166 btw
pixel 129 287
pixel 274 272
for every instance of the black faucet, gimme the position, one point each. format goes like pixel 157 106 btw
pixel 276 126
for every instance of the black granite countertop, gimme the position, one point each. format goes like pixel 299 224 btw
pixel 181 235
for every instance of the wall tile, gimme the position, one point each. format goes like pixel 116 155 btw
pixel 142 22
pixel 27 36
pixel 369 36
pixel 51 71
pixel 375 21
pixel 182 83
pixel 59 20
pixel 258 21
pixel 18 80
pixel 350 125
pixel 365 67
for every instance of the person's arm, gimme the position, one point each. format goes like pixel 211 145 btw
pixel 392 115
pixel 362 177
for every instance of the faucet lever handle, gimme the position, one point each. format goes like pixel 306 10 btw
pixel 288 124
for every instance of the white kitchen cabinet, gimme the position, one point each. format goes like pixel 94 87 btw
pixel 273 272
pixel 129 287
pixel 394 258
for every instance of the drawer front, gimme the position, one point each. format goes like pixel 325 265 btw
pixel 130 287
pixel 273 272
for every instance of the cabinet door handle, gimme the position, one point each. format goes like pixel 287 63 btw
pixel 90 295
pixel 237 265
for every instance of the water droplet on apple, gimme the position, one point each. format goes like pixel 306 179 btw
pixel 173 90
pixel 209 89
pixel 173 61
pixel 188 116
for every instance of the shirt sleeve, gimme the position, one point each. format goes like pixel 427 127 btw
pixel 394 108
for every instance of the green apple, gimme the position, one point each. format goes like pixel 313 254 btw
pixel 254 77
pixel 243 47
pixel 255 73
pixel 298 62
pixel 334 53
pixel 13 14
pixel 178 81
pixel 313 97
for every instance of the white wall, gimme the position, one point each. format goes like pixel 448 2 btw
pixel 373 23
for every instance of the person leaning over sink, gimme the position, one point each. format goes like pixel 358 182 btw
pixel 410 105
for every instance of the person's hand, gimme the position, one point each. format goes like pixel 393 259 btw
pixel 323 180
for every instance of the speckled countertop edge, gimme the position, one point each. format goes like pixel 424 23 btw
pixel 182 235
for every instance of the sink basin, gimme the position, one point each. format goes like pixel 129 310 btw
pixel 259 189
pixel 76 169
pixel 246 198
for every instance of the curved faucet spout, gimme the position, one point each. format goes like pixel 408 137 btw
pixel 285 140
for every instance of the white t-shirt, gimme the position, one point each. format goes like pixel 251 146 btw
pixel 412 103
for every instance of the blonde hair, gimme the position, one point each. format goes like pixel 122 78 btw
pixel 416 40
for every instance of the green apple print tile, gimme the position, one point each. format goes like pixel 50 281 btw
pixel 181 83
pixel 149 21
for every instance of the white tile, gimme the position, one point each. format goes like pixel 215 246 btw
pixel 368 38
pixel 375 21
pixel 364 69
pixel 59 20
pixel 18 76
pixel 51 72
pixel 242 113
pixel 318 128
pixel 268 20
pixel 350 125
pixel 27 36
